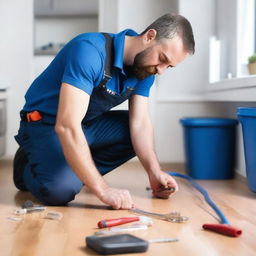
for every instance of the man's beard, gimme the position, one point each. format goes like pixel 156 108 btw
pixel 144 72
pixel 140 70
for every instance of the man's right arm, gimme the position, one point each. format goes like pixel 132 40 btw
pixel 73 104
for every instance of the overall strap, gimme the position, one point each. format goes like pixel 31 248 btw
pixel 109 59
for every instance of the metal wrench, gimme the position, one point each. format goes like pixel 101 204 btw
pixel 171 217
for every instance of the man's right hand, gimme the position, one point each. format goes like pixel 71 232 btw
pixel 117 198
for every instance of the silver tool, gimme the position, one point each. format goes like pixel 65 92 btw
pixel 163 240
pixel 171 217
pixel 21 211
pixel 28 206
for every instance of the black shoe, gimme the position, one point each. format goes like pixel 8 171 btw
pixel 19 163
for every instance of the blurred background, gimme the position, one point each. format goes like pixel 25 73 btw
pixel 212 83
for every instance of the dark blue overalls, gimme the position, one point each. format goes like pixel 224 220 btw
pixel 40 165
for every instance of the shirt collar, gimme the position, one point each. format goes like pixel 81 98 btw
pixel 119 47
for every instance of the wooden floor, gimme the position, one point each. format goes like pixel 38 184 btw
pixel 38 236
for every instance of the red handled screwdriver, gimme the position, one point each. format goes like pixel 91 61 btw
pixel 123 220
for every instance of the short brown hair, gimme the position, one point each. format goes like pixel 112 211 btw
pixel 170 25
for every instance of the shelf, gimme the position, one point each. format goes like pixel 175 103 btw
pixel 45 52
pixel 64 16
pixel 233 90
pixel 233 83
pixel 65 8
pixel 3 95
pixel 241 89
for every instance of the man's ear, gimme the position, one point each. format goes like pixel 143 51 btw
pixel 149 36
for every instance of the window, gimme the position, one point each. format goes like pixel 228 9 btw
pixel 234 40
pixel 245 34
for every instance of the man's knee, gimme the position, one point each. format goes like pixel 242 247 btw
pixel 57 193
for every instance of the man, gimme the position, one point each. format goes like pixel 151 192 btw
pixel 68 136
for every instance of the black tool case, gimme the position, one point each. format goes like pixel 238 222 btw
pixel 116 244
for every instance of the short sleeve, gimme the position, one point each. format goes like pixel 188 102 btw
pixel 143 87
pixel 83 65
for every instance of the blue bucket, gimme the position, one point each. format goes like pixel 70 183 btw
pixel 247 117
pixel 210 147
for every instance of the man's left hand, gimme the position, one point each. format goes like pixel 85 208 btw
pixel 162 184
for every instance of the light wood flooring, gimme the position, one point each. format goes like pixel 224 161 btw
pixel 38 236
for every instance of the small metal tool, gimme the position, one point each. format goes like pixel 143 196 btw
pixel 163 240
pixel 171 217
pixel 21 211
pixel 28 206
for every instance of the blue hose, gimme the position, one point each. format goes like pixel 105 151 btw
pixel 223 218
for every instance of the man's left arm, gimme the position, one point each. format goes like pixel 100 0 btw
pixel 142 137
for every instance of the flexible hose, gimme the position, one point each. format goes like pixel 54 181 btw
pixel 222 217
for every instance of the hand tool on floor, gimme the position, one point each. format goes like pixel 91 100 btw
pixel 53 215
pixel 163 240
pixel 119 221
pixel 171 217
pixel 224 227
pixel 122 243
pixel 20 211
pixel 28 206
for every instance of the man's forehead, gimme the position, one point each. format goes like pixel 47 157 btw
pixel 173 49
pixel 174 43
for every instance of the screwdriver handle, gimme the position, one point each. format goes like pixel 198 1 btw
pixel 223 229
pixel 115 222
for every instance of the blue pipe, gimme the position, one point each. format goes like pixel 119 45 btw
pixel 223 218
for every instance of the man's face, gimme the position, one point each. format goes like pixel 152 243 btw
pixel 158 57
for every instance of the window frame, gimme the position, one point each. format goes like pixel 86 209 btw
pixel 230 37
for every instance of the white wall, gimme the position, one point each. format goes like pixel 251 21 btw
pixel 141 13
pixel 116 15
pixel 108 16
pixel 227 32
pixel 16 50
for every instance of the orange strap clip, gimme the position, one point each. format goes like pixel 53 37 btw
pixel 34 116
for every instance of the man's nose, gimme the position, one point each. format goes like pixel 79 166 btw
pixel 161 68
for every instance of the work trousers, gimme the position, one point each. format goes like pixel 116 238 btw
pixel 47 174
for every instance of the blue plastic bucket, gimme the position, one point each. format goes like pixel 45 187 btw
pixel 210 147
pixel 247 117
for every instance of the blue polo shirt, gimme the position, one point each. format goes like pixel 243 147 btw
pixel 81 63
